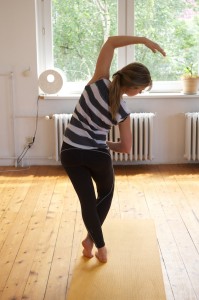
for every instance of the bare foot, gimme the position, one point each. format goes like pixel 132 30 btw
pixel 87 243
pixel 101 254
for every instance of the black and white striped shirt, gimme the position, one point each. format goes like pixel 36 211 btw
pixel 91 120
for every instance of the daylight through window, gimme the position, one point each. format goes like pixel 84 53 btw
pixel 79 28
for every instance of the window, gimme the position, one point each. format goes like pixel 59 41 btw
pixel 79 30
pixel 73 38
pixel 174 24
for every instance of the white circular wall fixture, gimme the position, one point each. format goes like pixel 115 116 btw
pixel 51 81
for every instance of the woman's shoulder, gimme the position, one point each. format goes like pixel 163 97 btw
pixel 95 82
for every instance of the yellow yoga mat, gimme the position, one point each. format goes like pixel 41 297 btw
pixel 133 270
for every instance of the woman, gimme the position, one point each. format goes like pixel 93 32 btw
pixel 85 152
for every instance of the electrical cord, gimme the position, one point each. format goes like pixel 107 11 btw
pixel 29 145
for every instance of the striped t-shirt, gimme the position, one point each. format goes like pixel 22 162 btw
pixel 91 119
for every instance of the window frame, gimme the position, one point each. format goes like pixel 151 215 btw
pixel 125 54
pixel 44 35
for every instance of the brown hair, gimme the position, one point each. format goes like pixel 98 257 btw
pixel 132 75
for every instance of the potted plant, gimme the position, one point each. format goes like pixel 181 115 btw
pixel 190 81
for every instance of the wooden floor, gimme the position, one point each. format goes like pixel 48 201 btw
pixel 41 226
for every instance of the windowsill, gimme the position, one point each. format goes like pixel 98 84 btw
pixel 160 89
pixel 149 95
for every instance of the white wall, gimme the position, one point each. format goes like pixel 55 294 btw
pixel 18 53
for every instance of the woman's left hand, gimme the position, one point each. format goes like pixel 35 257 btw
pixel 153 46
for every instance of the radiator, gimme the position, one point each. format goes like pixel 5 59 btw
pixel 142 136
pixel 192 136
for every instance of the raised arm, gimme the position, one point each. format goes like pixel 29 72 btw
pixel 107 51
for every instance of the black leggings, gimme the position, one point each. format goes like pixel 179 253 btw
pixel 83 167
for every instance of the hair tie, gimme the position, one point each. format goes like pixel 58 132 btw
pixel 118 73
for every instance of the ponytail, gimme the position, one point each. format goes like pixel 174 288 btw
pixel 115 94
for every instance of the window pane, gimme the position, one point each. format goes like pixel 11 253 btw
pixel 175 25
pixel 79 30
